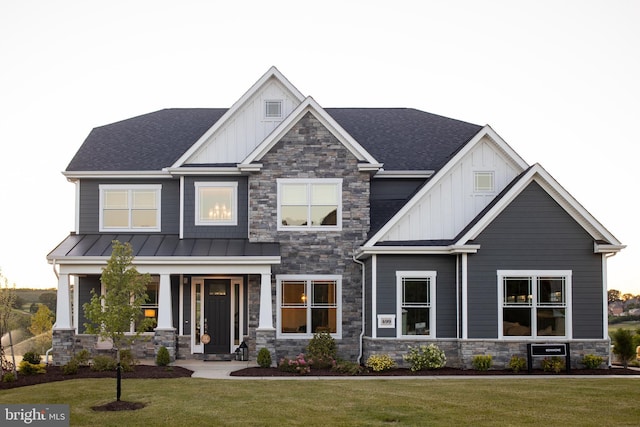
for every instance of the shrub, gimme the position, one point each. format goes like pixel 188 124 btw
pixel 517 363
pixel 322 345
pixel 163 358
pixel 82 357
pixel 554 364
pixel 27 368
pixel 623 346
pixel 299 365
pixel 32 357
pixel 104 363
pixel 591 361
pixel 482 362
pixel 127 361
pixel 71 368
pixel 8 377
pixel 264 358
pixel 380 362
pixel 425 357
pixel 347 367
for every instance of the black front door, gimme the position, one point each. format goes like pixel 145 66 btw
pixel 217 315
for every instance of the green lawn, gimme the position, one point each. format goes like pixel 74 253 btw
pixel 632 325
pixel 487 401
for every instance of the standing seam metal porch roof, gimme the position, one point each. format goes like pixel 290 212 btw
pixel 161 245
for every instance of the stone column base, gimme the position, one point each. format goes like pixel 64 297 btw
pixel 63 344
pixel 266 338
pixel 165 338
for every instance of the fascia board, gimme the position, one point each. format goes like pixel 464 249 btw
pixel 273 72
pixel 310 105
pixel 73 175
pixel 228 170
pixel 416 250
pixel 538 174
pixel 183 260
pixel 519 163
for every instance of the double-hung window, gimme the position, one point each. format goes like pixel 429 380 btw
pixel 534 303
pixel 130 207
pixel 416 303
pixel 308 305
pixel 216 203
pixel 305 204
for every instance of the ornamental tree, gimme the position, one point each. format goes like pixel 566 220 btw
pixel 112 314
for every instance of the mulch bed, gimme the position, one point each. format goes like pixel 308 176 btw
pixel 275 372
pixel 54 373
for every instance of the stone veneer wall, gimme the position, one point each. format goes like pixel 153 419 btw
pixel 460 353
pixel 309 150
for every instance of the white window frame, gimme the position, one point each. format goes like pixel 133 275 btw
pixel 477 188
pixel 265 109
pixel 308 182
pixel 234 202
pixel 534 275
pixel 130 188
pixel 308 278
pixel 426 274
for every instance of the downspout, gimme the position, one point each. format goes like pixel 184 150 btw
pixel 605 300
pixel 362 315
pixel 46 355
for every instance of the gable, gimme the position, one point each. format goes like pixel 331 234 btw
pixel 449 201
pixel 246 128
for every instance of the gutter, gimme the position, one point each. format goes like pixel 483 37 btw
pixel 363 308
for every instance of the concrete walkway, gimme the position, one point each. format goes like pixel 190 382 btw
pixel 222 370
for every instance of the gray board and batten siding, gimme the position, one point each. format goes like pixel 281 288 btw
pixel 535 233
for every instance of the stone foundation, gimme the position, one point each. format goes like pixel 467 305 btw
pixel 460 353
pixel 265 338
pixel 165 338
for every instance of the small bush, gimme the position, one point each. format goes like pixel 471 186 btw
pixel 425 357
pixel 380 362
pixel 163 358
pixel 554 364
pixel 127 361
pixel 71 368
pixel 299 365
pixel 104 363
pixel 482 362
pixel 623 346
pixel 27 368
pixel 82 357
pixel 322 346
pixel 591 361
pixel 347 367
pixel 517 363
pixel 264 358
pixel 8 377
pixel 32 357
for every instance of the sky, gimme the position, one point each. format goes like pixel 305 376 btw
pixel 558 80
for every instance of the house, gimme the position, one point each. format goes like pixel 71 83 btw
pixel 386 227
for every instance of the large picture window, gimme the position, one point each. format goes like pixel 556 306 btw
pixel 309 204
pixel 308 305
pixel 416 308
pixel 216 203
pixel 130 207
pixel 534 304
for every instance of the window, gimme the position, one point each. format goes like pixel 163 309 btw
pixel 216 203
pixel 534 304
pixel 309 204
pixel 308 305
pixel 150 307
pixel 416 308
pixel 130 207
pixel 483 182
pixel 273 109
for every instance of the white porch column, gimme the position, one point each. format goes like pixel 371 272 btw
pixel 63 304
pixel 165 310
pixel 463 310
pixel 266 311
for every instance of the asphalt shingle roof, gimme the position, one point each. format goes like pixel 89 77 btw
pixel 401 138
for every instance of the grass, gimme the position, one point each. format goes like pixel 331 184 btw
pixel 425 402
pixel 632 325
